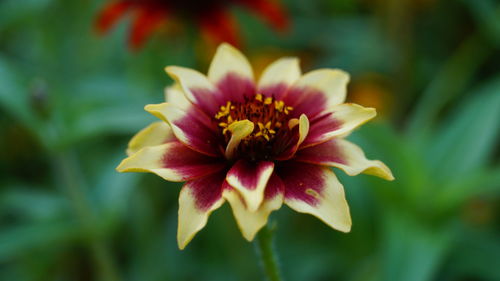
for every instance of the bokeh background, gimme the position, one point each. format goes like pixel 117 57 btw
pixel 70 100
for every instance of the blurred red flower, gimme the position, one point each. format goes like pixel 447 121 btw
pixel 213 16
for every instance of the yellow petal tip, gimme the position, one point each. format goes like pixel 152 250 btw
pixel 120 168
pixel 154 107
pixel 181 245
pixel 380 170
pixel 249 238
pixel 227 46
pixel 169 69
pixel 347 229
pixel 149 107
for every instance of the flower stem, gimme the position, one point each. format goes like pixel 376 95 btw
pixel 267 254
pixel 68 170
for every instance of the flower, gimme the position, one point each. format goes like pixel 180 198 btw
pixel 211 15
pixel 255 145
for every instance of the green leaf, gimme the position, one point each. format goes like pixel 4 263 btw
pixel 381 141
pixel 13 97
pixel 448 83
pixel 467 140
pixel 411 249
pixel 19 240
pixel 31 203
pixel 113 189
pixel 459 189
pixel 12 10
pixel 476 256
pixel 127 119
pixel 487 14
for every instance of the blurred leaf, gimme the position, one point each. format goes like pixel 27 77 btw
pixel 487 14
pixel 10 10
pixel 32 203
pixel 456 191
pixel 14 96
pixel 342 35
pixel 380 141
pixel 448 83
pixel 17 100
pixel 104 106
pixel 108 120
pixel 19 240
pixel 476 256
pixel 411 249
pixel 114 190
pixel 467 140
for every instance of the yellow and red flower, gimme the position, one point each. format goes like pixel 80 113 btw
pixel 255 144
pixel 212 16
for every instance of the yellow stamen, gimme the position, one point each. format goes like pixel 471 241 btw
pixel 292 123
pixel 279 105
pixel 266 121
pixel 224 110
pixel 261 126
pixel 265 130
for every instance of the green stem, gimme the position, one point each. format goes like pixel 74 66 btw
pixel 67 169
pixel 267 254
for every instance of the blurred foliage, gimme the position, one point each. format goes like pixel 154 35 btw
pixel 70 100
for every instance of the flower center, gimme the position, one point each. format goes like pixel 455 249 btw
pixel 269 116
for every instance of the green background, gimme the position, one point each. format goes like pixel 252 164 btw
pixel 70 100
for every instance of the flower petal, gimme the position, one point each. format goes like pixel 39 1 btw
pixel 270 11
pixel 191 127
pixel 278 77
pixel 198 198
pixel 342 119
pixel 315 190
pixel 303 128
pixel 110 14
pixel 197 88
pixel 229 60
pixel 172 161
pixel 239 130
pixel 251 222
pixel 147 20
pixel 154 134
pixel 250 180
pixel 302 133
pixel 231 72
pixel 316 91
pixel 345 155
pixel 175 96
pixel 220 26
pixel 236 88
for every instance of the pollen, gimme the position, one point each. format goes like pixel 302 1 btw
pixel 224 110
pixel 265 130
pixel 267 114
